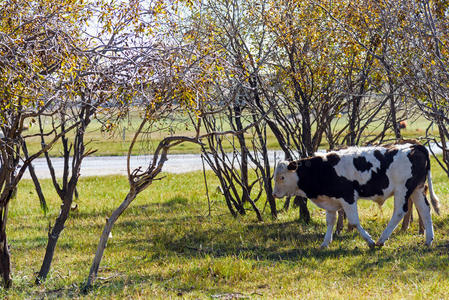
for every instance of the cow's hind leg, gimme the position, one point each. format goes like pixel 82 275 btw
pixel 419 198
pixel 331 216
pixel 408 218
pixel 353 219
pixel 400 204
pixel 340 219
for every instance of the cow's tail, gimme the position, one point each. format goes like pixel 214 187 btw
pixel 433 197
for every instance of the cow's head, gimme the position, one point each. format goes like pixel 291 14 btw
pixel 286 179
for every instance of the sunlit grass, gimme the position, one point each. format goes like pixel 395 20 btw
pixel 166 246
pixel 116 142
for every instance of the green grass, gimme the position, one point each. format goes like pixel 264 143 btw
pixel 117 142
pixel 165 246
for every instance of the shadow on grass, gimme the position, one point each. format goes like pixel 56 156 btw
pixel 114 284
pixel 175 201
pixel 288 241
pixel 161 233
pixel 273 242
pixel 80 222
pixel 153 209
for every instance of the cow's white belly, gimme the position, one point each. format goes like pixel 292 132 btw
pixel 327 203
pixel 380 199
pixel 333 204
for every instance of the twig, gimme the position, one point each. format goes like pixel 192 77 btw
pixel 205 184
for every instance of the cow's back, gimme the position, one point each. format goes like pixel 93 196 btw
pixel 376 171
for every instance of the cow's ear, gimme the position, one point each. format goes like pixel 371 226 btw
pixel 292 166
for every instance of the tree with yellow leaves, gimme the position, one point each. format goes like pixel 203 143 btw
pixel 38 42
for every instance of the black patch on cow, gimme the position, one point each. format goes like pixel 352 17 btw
pixel 379 179
pixel 318 177
pixel 361 164
pixel 292 166
pixel 333 159
pixel 419 158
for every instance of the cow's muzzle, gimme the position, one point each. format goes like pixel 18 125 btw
pixel 276 196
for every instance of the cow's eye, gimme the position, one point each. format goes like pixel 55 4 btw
pixel 282 177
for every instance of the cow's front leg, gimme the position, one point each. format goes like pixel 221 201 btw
pixel 331 217
pixel 353 219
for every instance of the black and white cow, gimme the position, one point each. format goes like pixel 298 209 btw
pixel 338 179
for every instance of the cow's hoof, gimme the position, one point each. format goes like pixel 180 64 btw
pixel 379 244
pixel 324 246
pixel 429 244
pixel 371 245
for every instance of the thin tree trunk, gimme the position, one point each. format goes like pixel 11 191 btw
pixel 205 184
pixel 38 188
pixel 355 112
pixel 229 204
pixel 53 236
pixel 256 210
pixel 243 152
pixel 303 210
pixel 35 181
pixel 5 260
pixel 104 238
pixel 394 121
pixel 5 257
pixel 271 201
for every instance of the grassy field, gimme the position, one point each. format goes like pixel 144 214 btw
pixel 166 246
pixel 117 142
